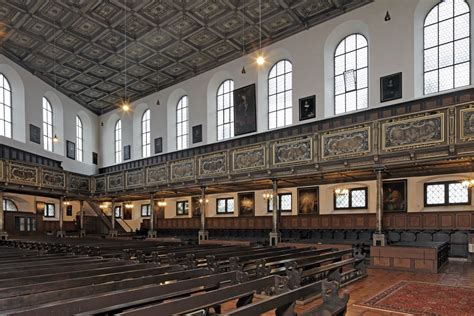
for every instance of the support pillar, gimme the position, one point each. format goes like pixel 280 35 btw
pixel 152 232
pixel 113 231
pixel 3 232
pixel 82 232
pixel 379 236
pixel 275 233
pixel 60 233
pixel 203 234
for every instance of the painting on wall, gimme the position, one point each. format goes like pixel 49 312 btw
pixel 246 204
pixel 40 208
pixel 68 210
pixel 70 150
pixel 307 108
pixel 395 196
pixel 391 87
pixel 308 200
pixel 35 134
pixel 158 145
pixel 196 206
pixel 245 110
pixel 95 158
pixel 197 134
pixel 126 152
pixel 127 213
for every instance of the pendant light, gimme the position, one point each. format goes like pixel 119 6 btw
pixel 260 57
pixel 55 138
pixel 125 102
pixel 243 36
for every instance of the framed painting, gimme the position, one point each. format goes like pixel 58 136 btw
pixel 245 110
pixel 308 200
pixel 395 196
pixel 95 158
pixel 307 108
pixel 197 134
pixel 126 152
pixel 35 134
pixel 40 208
pixel 196 206
pixel 70 150
pixel 68 210
pixel 246 204
pixel 158 145
pixel 391 87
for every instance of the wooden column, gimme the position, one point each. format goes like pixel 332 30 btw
pixel 82 232
pixel 113 232
pixel 61 232
pixel 379 237
pixel 203 234
pixel 3 233
pixel 152 231
pixel 275 233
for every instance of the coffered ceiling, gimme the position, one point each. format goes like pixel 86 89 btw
pixel 78 45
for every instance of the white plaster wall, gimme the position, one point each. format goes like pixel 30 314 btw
pixel 394 46
pixel 28 91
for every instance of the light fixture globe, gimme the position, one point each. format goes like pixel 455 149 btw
pixel 260 60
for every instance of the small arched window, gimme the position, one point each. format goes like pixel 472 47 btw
pixel 9 206
pixel 79 139
pixel 225 110
pixel 446 52
pixel 280 88
pixel 5 107
pixel 146 134
pixel 118 141
pixel 351 74
pixel 182 122
pixel 47 125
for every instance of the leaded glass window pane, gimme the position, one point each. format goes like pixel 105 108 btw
pixel 280 87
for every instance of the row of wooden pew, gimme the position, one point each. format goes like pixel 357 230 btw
pixel 125 277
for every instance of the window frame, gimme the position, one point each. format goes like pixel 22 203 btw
pixel 446 194
pixel 182 137
pixel 46 210
pixel 146 133
pixel 230 95
pixel 119 209
pixel 350 207
pixel 47 139
pixel 284 92
pixel 4 89
pixel 147 207
pixel 79 139
pixel 280 195
pixel 226 206
pixel 186 209
pixel 5 201
pixel 118 142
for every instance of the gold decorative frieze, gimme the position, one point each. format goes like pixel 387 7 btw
pixel 414 132
pixel 293 151
pixel 115 182
pixel 346 143
pixel 182 170
pixel 23 174
pixel 466 128
pixel 213 165
pixel 53 179
pixel 79 183
pixel 134 178
pixel 249 158
pixel 100 184
pixel 156 175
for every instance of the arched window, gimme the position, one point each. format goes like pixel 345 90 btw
pixel 9 206
pixel 280 88
pixel 5 107
pixel 146 142
pixel 182 122
pixel 351 74
pixel 118 141
pixel 225 110
pixel 79 139
pixel 446 51
pixel 47 125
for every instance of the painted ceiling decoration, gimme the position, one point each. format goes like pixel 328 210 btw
pixel 80 43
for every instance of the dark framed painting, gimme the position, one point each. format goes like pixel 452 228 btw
pixel 395 196
pixel 68 210
pixel 35 134
pixel 308 200
pixel 126 152
pixel 40 208
pixel 391 87
pixel 307 108
pixel 246 203
pixel 245 110
pixel 70 149
pixel 196 206
pixel 158 145
pixel 127 213
pixel 197 134
pixel 95 158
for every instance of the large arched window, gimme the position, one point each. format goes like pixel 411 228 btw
pixel 118 141
pixel 146 141
pixel 9 206
pixel 280 87
pixel 5 107
pixel 225 110
pixel 446 51
pixel 182 122
pixel 351 74
pixel 79 139
pixel 47 125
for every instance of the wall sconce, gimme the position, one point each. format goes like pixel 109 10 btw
pixel 67 203
pixel 161 203
pixel 468 183
pixel 103 206
pixel 205 201
pixel 55 138
pixel 128 205
pixel 267 196
pixel 340 191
